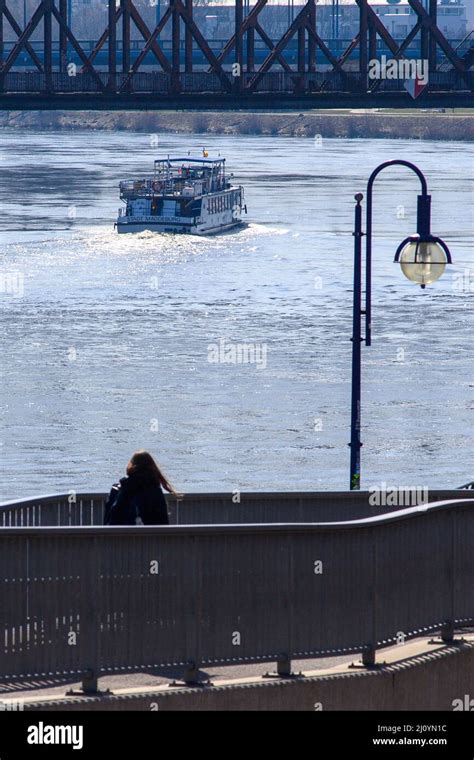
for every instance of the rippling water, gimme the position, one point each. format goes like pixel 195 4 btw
pixel 106 350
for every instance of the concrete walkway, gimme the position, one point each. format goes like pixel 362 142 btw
pixel 41 693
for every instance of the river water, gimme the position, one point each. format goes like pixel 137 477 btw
pixel 105 338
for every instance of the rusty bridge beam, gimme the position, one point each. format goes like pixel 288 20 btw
pixel 63 37
pixel 150 43
pixel 103 38
pixel 188 40
pixel 24 36
pixel 335 62
pixel 363 30
pixel 238 24
pixel 175 51
pixel 250 49
pixel 299 21
pixel 301 49
pixel 381 30
pixel 215 66
pixel 7 14
pixel 48 43
pixel 270 45
pixel 311 41
pixel 406 42
pixel 112 51
pixel 372 49
pixel 2 47
pixel 150 39
pixel 433 10
pixel 249 21
pixel 74 43
pixel 125 5
pixel 439 38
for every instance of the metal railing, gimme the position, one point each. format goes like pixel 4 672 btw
pixel 202 82
pixel 76 509
pixel 96 600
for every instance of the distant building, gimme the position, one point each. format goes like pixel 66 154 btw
pixel 399 18
pixel 216 17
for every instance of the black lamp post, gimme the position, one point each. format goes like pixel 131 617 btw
pixel 422 258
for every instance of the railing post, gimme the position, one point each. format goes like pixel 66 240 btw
pixel 191 674
pixel 284 666
pixel 369 654
pixel 368 658
pixel 447 629
pixel 283 669
pixel 447 632
pixel 89 683
pixel 90 628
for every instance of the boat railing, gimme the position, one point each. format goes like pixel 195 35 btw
pixel 138 186
pixel 172 186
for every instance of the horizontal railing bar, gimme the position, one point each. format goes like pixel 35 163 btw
pixel 260 495
pixel 224 529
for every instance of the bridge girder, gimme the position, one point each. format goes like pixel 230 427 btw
pixel 233 70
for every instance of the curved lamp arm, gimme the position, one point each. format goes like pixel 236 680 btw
pixel 423 202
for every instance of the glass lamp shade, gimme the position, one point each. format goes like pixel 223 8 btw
pixel 422 262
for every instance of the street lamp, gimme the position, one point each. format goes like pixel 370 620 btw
pixel 422 258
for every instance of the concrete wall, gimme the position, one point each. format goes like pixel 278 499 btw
pixel 430 680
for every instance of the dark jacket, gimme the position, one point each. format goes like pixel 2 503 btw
pixel 136 497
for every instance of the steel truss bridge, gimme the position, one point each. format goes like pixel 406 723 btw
pixel 44 65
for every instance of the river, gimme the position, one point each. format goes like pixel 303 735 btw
pixel 106 339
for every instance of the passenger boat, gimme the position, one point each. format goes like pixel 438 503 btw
pixel 186 195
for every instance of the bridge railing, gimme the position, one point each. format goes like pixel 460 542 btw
pixel 87 601
pixel 76 509
pixel 160 83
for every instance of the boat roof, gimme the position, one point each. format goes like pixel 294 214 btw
pixel 191 160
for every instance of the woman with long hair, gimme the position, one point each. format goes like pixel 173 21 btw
pixel 139 498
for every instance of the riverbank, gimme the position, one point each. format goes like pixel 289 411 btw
pixel 414 124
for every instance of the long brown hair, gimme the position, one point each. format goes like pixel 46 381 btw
pixel 143 465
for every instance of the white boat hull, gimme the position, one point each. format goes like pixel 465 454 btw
pixel 125 225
